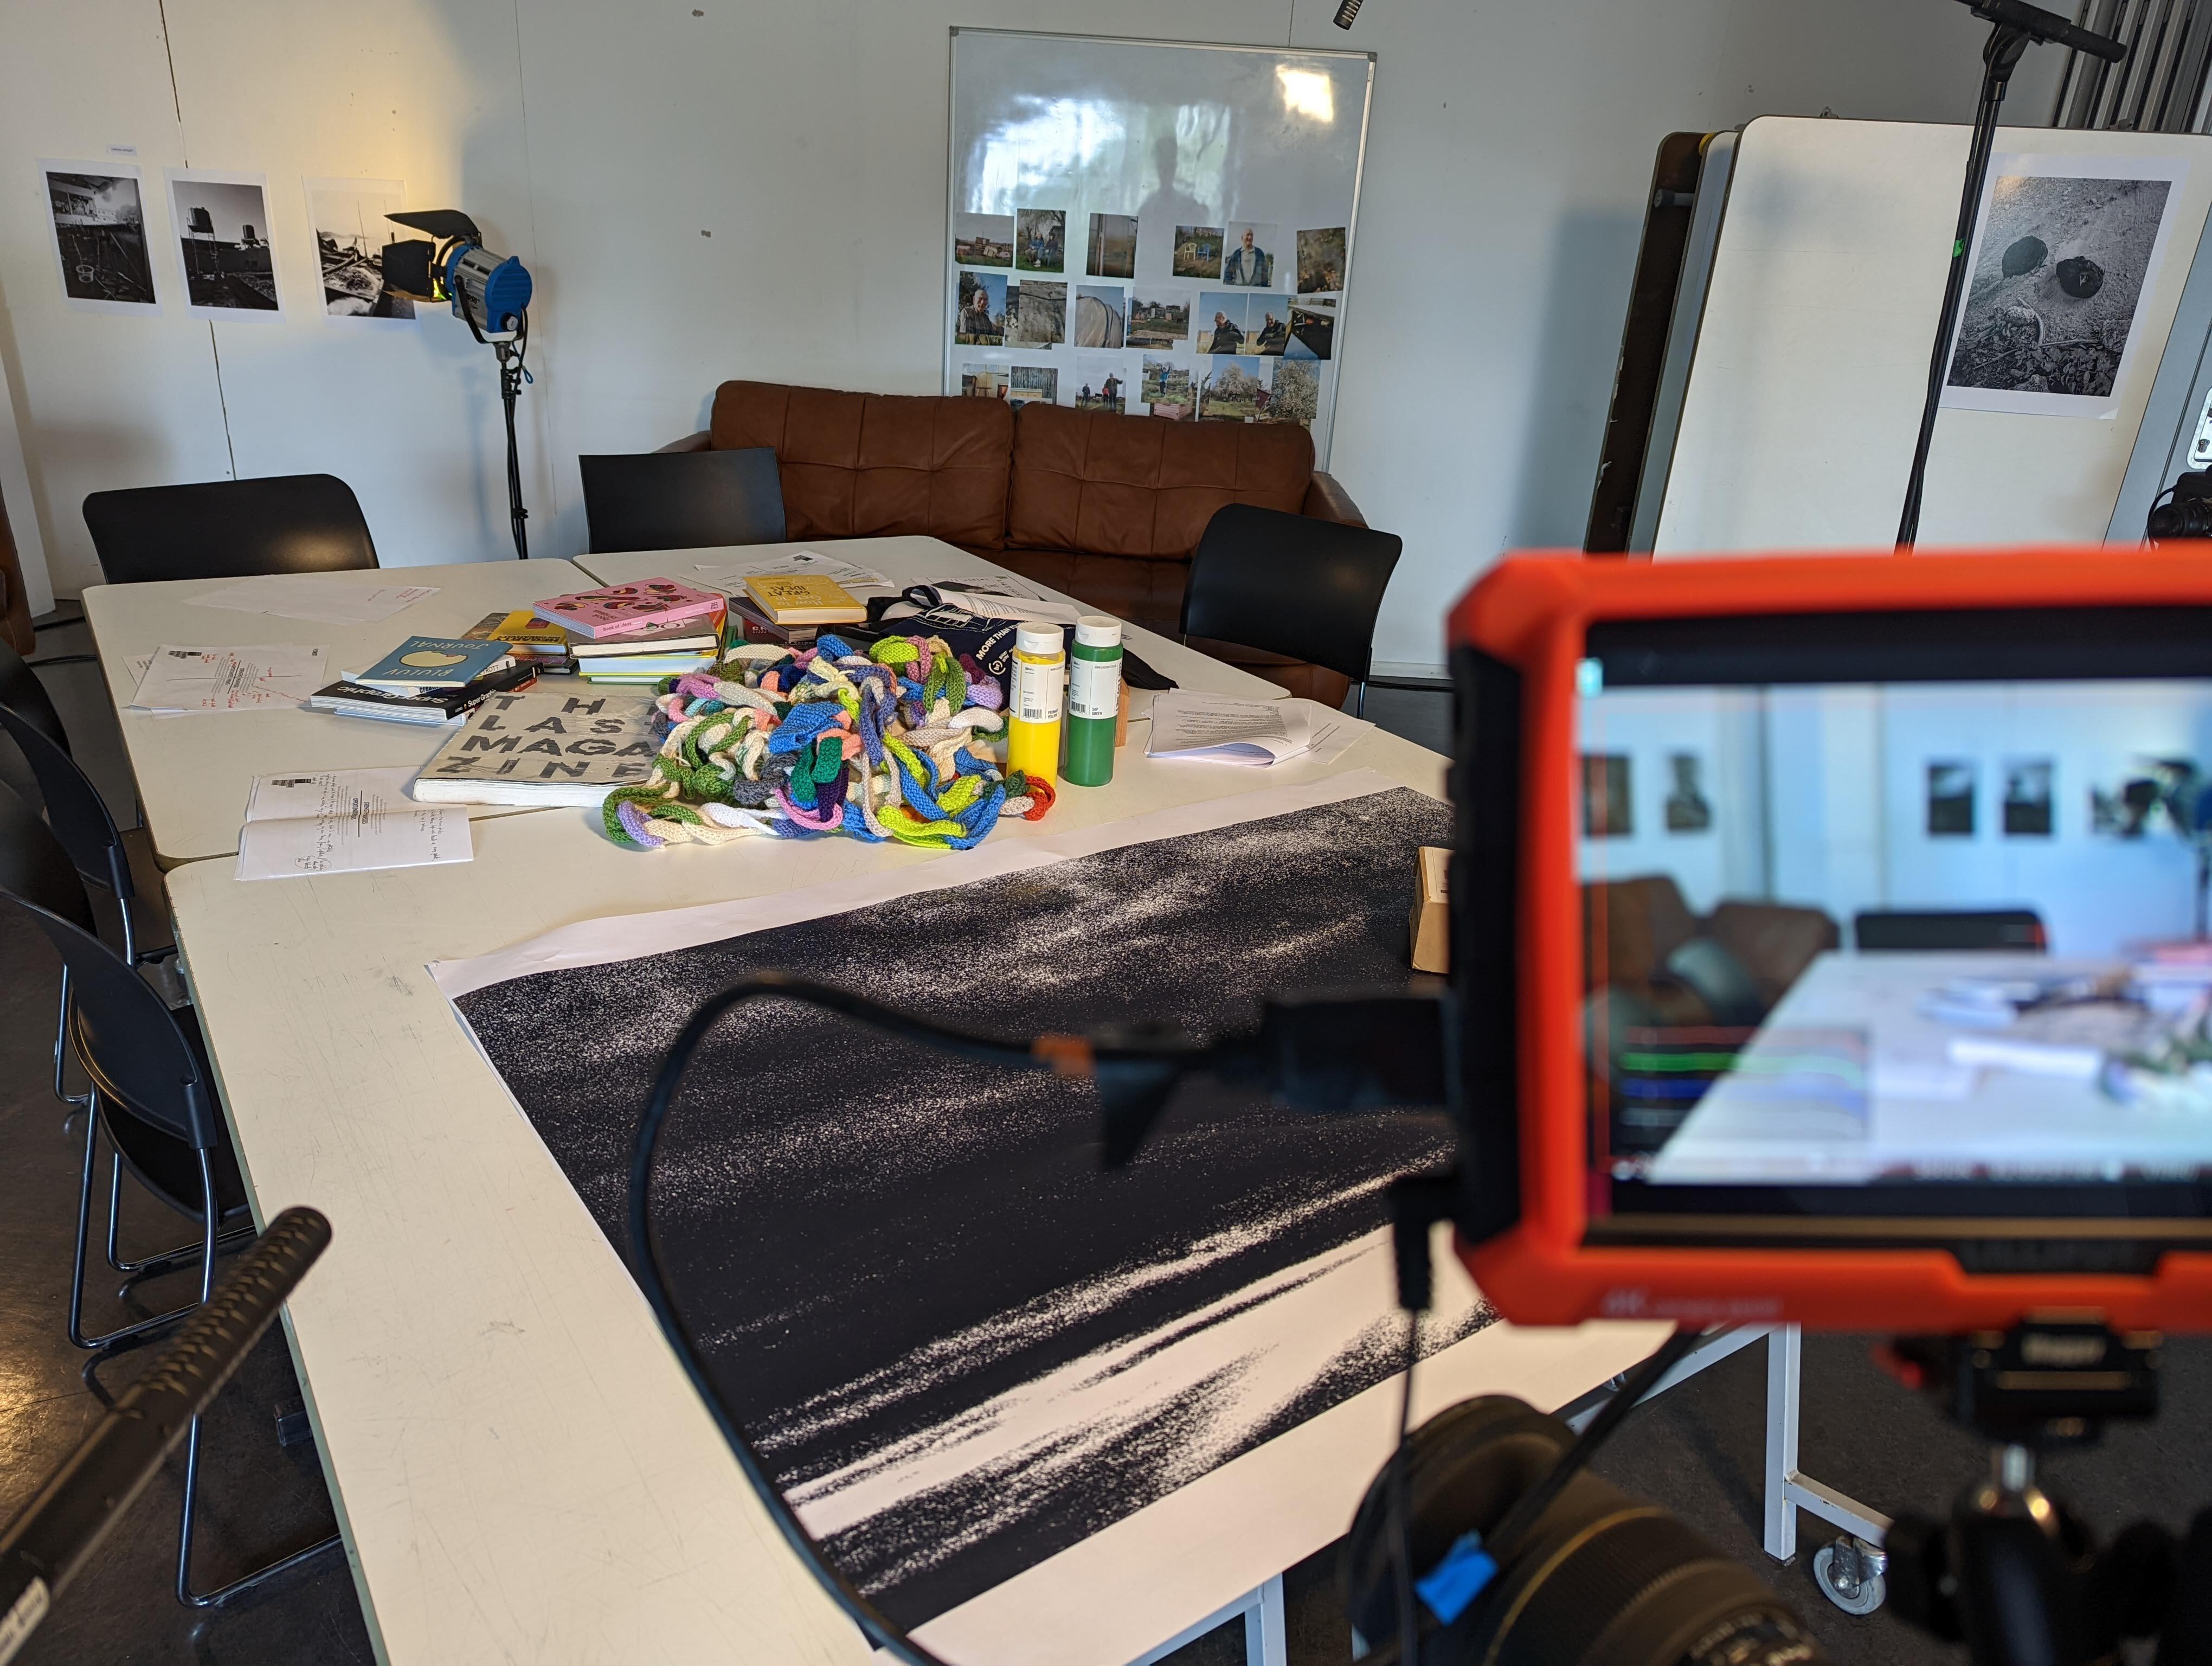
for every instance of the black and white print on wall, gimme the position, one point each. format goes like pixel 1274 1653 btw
pixel 1951 798
pixel 2027 797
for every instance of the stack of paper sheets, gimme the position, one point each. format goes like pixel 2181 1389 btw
pixel 1224 729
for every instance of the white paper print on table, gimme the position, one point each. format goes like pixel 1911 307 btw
pixel 351 232
pixel 306 596
pixel 345 821
pixel 229 680
pixel 2067 250
pixel 98 214
pixel 220 224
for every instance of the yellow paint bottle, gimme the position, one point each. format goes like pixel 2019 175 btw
pixel 1036 700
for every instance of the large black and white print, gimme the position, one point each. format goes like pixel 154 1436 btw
pixel 100 236
pixel 220 221
pixel 351 234
pixel 960 1348
pixel 2067 252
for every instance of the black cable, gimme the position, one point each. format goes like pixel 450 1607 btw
pixel 510 373
pixel 73 659
pixel 1401 1531
pixel 55 624
pixel 879 1630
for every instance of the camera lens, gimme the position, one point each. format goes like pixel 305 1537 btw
pixel 1602 1579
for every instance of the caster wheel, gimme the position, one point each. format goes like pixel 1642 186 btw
pixel 1849 1575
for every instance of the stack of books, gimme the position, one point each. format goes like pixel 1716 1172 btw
pixel 638 633
pixel 425 679
pixel 526 637
pixel 792 608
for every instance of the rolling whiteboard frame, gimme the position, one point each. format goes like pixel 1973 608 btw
pixel 1325 420
pixel 1810 361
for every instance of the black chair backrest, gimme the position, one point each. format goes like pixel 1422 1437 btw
pixel 35 866
pixel 74 809
pixel 22 693
pixel 683 500
pixel 1291 584
pixel 229 529
pixel 2018 930
pixel 127 1040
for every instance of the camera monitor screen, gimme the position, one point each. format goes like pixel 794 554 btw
pixel 1896 925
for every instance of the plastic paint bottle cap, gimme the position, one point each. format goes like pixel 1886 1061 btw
pixel 1098 631
pixel 1030 637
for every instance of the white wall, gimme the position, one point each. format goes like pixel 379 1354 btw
pixel 758 191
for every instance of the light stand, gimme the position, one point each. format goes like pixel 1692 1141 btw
pixel 2017 26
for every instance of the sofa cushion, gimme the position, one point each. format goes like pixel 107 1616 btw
pixel 1141 487
pixel 877 464
pixel 1146 592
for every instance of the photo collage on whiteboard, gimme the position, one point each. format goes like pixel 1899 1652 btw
pixel 1234 326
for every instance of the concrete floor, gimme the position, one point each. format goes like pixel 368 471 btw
pixel 1698 1451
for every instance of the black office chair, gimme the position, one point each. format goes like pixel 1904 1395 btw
pixel 683 500
pixel 2019 931
pixel 153 1097
pixel 1291 584
pixel 229 529
pixel 22 693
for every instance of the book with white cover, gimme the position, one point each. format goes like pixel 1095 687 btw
pixel 536 747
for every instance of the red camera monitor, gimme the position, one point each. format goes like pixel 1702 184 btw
pixel 1829 937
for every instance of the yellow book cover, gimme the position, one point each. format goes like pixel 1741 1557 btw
pixel 521 627
pixel 804 599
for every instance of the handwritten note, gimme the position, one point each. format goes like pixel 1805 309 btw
pixel 345 821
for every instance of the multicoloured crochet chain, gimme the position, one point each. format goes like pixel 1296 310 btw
pixel 826 740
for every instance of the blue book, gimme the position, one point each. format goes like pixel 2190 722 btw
pixel 433 662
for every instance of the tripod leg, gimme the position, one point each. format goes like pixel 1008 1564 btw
pixel 2006 43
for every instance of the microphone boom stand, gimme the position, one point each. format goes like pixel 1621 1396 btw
pixel 2016 26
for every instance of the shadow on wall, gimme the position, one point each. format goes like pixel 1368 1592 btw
pixel 1579 346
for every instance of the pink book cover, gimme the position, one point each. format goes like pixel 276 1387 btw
pixel 616 609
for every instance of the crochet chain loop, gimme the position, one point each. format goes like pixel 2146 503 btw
pixel 777 743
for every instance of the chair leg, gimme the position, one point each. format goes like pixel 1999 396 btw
pixel 220 1594
pixel 167 1261
pixel 1359 708
pixel 144 1327
pixel 76 1101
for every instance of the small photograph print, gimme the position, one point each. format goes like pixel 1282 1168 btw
pixel 1327 303
pixel 1296 395
pixel 1097 385
pixel 1037 313
pixel 1102 316
pixel 1221 321
pixel 1320 258
pixel 2062 263
pixel 1951 799
pixel 2027 796
pixel 1268 324
pixel 1166 388
pixel 1159 318
pixel 983 240
pixel 1234 391
pixel 1688 809
pixel 983 381
pixel 1606 808
pixel 979 317
pixel 221 226
pixel 1030 382
pixel 100 236
pixel 1198 252
pixel 351 234
pixel 1112 250
pixel 1250 262
pixel 1313 334
pixel 1041 239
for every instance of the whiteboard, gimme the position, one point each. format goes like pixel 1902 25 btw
pixel 1197 145
pixel 1811 361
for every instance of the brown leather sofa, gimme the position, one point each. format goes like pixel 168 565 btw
pixel 1105 508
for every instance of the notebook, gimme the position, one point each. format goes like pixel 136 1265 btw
pixel 426 706
pixel 615 609
pixel 433 662
pixel 541 747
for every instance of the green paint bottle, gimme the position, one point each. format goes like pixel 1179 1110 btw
pixel 1094 699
